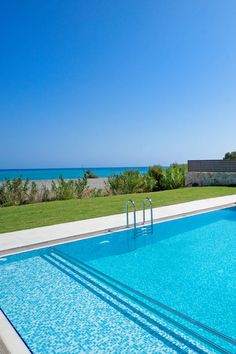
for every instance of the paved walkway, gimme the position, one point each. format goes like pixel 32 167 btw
pixel 9 242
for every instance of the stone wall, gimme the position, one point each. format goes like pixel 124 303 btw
pixel 210 178
pixel 212 165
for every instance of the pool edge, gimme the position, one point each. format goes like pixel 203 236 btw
pixel 10 341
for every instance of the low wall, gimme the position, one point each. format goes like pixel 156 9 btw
pixel 212 165
pixel 210 178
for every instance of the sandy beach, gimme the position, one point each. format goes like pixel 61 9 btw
pixel 92 182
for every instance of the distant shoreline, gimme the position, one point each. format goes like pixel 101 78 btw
pixel 67 173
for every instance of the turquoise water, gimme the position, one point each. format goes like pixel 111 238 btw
pixel 58 303
pixel 53 173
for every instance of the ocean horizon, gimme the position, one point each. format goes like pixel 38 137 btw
pixel 54 173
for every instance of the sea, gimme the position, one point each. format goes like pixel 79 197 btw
pixel 54 173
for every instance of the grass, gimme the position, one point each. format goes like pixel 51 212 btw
pixel 49 213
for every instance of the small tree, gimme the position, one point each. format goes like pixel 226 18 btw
pixel 159 174
pixel 230 156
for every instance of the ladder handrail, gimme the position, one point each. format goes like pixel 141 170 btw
pixel 147 199
pixel 127 212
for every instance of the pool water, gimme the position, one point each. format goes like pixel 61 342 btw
pixel 123 294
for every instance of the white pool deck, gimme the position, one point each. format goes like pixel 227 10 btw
pixel 14 242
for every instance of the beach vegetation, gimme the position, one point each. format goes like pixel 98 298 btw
pixel 171 177
pixel 158 173
pixel 19 191
pixel 131 181
pixel 230 155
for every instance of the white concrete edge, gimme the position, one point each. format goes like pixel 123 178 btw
pixel 20 241
pixel 10 341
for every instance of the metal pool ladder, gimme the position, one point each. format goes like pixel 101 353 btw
pixel 130 201
pixel 147 199
pixel 145 229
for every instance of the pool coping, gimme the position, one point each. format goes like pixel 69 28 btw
pixel 10 340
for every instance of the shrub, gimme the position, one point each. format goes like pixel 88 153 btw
pixel 148 183
pixel 3 196
pixel 230 155
pixel 19 191
pixel 80 186
pixel 15 192
pixel 63 189
pixel 158 173
pixel 115 184
pixel 95 192
pixel 45 194
pixel 175 176
pixel 33 192
pixel 130 182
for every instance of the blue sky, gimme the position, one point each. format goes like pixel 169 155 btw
pixel 113 83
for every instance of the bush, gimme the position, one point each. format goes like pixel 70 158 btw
pixel 3 196
pixel 63 189
pixel 80 186
pixel 16 191
pixel 45 194
pixel 170 178
pixel 33 192
pixel 130 182
pixel 230 155
pixel 94 192
pixel 158 173
pixel 175 176
pixel 114 184
pixel 19 191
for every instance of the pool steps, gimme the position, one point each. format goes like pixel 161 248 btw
pixel 130 312
pixel 151 325
pixel 137 307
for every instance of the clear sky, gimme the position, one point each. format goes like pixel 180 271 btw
pixel 116 82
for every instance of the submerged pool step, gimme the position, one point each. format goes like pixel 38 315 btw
pixel 204 334
pixel 143 231
pixel 170 337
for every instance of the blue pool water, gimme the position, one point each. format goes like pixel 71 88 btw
pixel 54 173
pixel 109 293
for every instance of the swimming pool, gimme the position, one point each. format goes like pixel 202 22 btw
pixel 169 292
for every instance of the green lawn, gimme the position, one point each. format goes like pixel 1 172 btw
pixel 49 213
